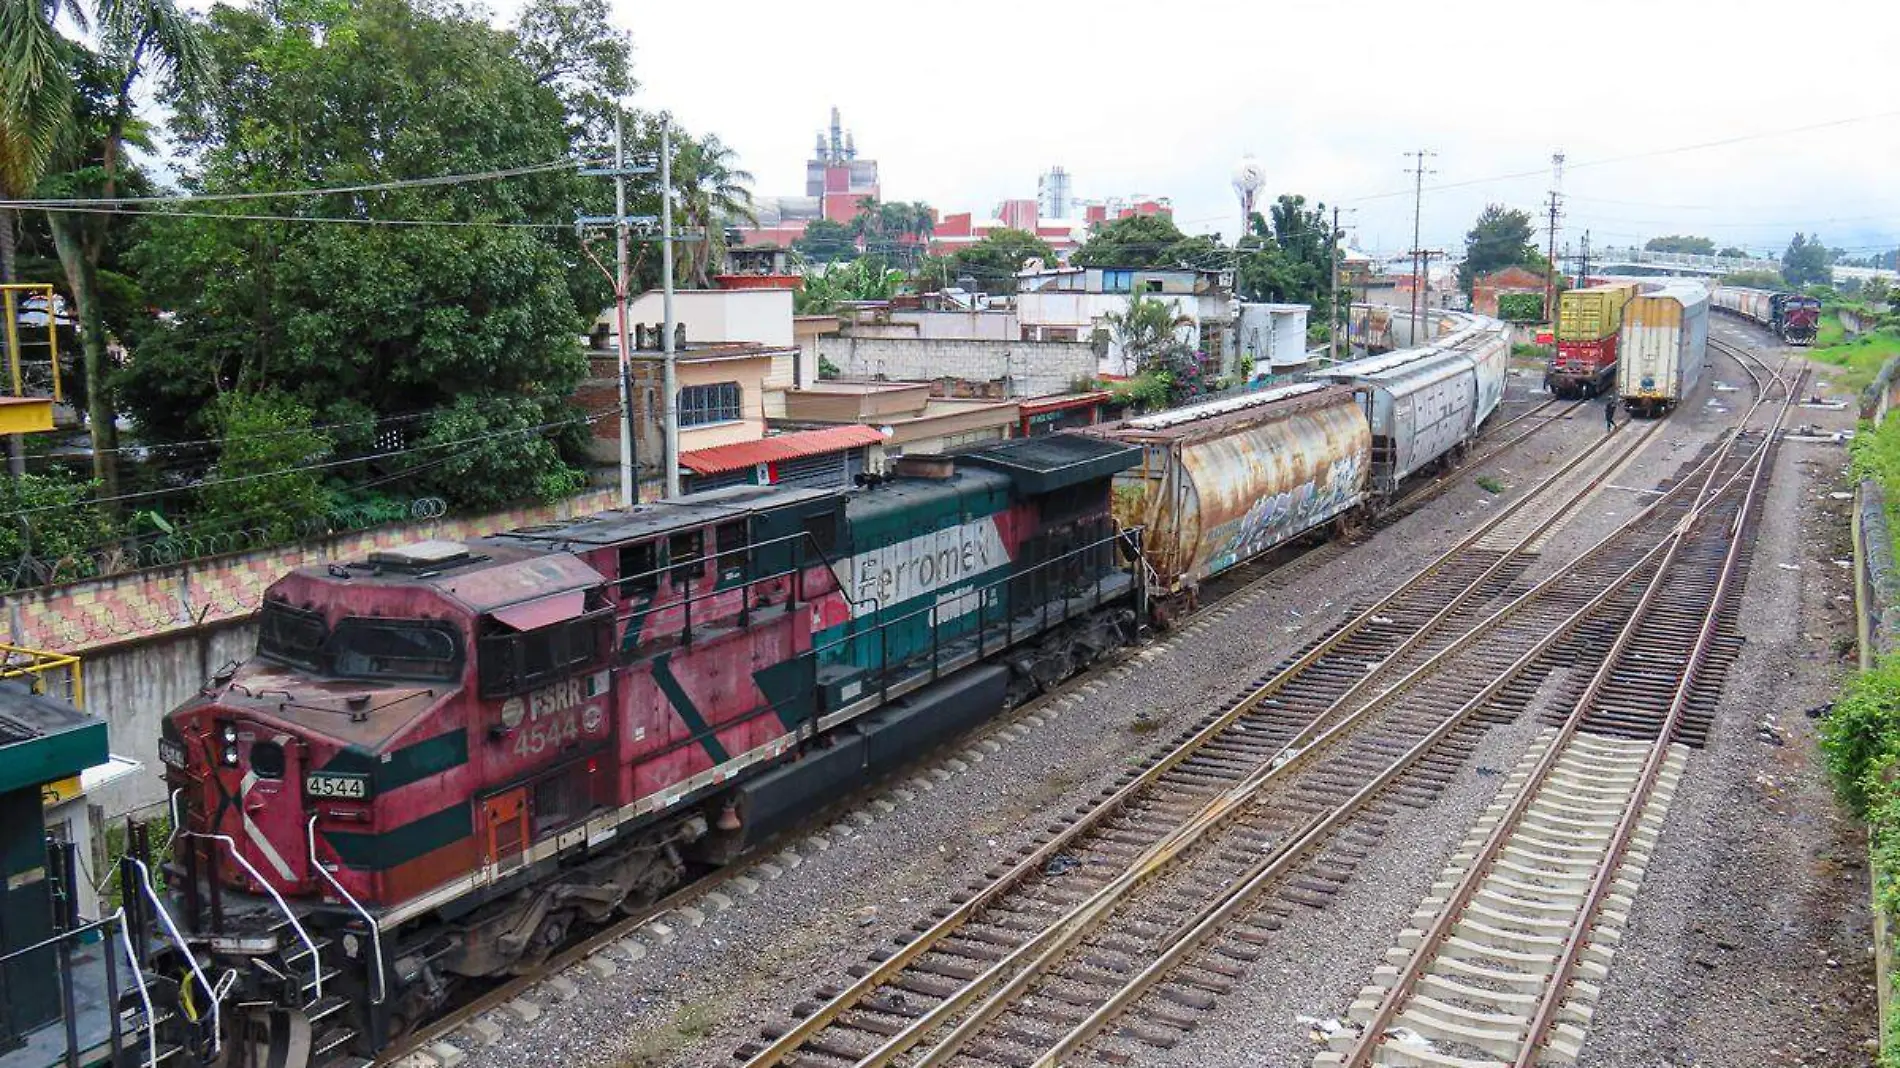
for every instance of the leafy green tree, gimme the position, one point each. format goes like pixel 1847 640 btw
pixel 264 477
pixel 934 273
pixel 1500 238
pixel 51 519
pixel 1876 291
pixel 1731 252
pixel 1147 330
pixel 865 278
pixel 570 47
pixel 476 311
pixel 994 261
pixel 825 241
pixel 1285 257
pixel 488 453
pixel 1805 262
pixel 1148 241
pixel 1752 279
pixel 1693 246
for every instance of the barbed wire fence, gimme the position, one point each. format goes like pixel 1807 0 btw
pixel 185 545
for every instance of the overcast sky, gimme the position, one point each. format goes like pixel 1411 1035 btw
pixel 964 104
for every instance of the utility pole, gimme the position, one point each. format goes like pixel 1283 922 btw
pixel 1334 318
pixel 1418 172
pixel 1556 209
pixel 1583 274
pixel 629 471
pixel 670 381
pixel 623 284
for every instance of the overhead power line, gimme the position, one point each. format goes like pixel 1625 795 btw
pixel 365 187
pixel 591 417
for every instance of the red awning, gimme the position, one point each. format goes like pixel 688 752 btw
pixel 743 454
pixel 542 610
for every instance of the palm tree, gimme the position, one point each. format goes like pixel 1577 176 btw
pixel 35 105
pixel 134 39
pixel 713 194
pixel 1147 328
pixel 921 223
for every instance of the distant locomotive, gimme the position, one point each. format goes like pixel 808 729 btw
pixel 445 757
pixel 1795 318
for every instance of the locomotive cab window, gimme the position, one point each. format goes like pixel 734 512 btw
pixel 730 541
pixel 639 568
pixel 685 552
pixel 415 649
pixel 513 661
pixel 291 635
pixel 821 537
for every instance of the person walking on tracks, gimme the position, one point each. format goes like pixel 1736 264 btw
pixel 1609 415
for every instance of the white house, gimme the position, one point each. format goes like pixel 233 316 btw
pixel 1272 335
pixel 1074 304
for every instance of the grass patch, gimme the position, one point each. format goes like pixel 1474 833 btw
pixel 1860 741
pixel 691 1022
pixel 1143 725
pixel 1875 453
pixel 1490 485
pixel 1861 356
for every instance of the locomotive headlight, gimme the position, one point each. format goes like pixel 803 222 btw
pixel 229 734
pixel 230 756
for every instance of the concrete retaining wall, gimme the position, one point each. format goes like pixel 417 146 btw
pixel 1034 368
pixel 1882 395
pixel 1876 582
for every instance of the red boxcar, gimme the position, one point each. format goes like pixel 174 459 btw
pixel 1583 368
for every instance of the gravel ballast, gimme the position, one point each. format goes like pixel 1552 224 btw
pixel 1721 886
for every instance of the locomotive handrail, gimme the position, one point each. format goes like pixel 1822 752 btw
pixel 191 959
pixel 375 930
pixel 302 935
pixel 145 994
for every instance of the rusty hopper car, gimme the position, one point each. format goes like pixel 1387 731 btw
pixel 1664 341
pixel 446 756
pixel 1423 405
pixel 1224 481
pixel 1589 321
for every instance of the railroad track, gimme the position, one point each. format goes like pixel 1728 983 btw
pixel 1239 586
pixel 1285 786
pixel 1501 967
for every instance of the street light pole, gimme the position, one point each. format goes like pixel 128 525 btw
pixel 670 381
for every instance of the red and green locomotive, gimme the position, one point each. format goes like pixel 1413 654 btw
pixel 445 756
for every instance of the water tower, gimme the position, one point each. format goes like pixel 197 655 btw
pixel 1248 178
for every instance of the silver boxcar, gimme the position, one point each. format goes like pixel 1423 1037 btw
pixel 1423 404
pixel 1664 342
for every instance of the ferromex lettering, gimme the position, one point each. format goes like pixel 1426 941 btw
pixel 881 578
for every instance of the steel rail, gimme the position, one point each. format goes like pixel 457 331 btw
pixel 1556 990
pixel 1373 1034
pixel 1275 864
pixel 788 1042
pixel 1437 486
pixel 1078 921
